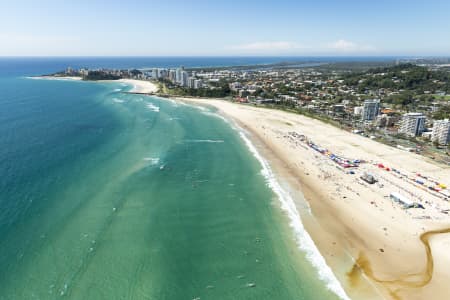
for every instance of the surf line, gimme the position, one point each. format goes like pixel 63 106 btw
pixel 303 240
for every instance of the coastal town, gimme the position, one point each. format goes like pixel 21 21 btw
pixel 404 105
pixel 361 148
pixel 225 150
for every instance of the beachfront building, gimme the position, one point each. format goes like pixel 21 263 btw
pixel 412 124
pixel 184 78
pixel 370 110
pixel 178 75
pixel 155 73
pixel 191 82
pixel 172 75
pixel 357 111
pixel 385 120
pixel 84 72
pixel 162 73
pixel 235 86
pixel 198 84
pixel 441 132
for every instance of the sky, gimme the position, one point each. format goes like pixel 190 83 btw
pixel 224 28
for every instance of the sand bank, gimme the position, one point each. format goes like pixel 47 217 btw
pixel 376 248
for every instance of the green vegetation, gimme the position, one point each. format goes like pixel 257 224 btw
pixel 349 67
pixel 98 75
pixel 402 77
pixel 220 90
pixel 442 113
pixel 135 72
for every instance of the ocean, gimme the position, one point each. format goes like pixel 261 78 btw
pixel 107 195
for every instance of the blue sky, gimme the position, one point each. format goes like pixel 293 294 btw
pixel 246 27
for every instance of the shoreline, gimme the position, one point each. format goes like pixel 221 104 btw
pixel 138 86
pixel 49 77
pixel 303 239
pixel 374 248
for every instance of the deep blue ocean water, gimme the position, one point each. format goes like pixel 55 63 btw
pixel 43 65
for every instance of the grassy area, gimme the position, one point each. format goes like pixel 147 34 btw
pixel 446 97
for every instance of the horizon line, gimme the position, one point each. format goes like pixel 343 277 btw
pixel 224 56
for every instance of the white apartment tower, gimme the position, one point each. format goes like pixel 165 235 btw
pixel 184 78
pixel 197 84
pixel 412 124
pixel 173 75
pixel 155 73
pixel 441 132
pixel 178 75
pixel 191 82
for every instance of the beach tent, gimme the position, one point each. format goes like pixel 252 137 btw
pixel 406 202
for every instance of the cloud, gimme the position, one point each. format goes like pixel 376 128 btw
pixel 293 48
pixel 279 46
pixel 349 47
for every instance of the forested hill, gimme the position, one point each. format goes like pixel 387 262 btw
pixel 401 77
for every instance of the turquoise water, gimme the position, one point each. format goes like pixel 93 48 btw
pixel 106 195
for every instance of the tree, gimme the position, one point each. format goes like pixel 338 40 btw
pixel 442 113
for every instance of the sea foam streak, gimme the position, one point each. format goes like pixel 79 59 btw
pixel 205 141
pixel 152 160
pixel 303 239
pixel 152 107
pixel 53 78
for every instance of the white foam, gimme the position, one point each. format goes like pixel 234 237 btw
pixel 216 115
pixel 303 239
pixel 117 90
pixel 152 107
pixel 202 108
pixel 174 103
pixel 205 141
pixel 152 160
pixel 118 100
pixel 53 78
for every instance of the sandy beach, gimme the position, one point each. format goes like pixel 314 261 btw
pixel 140 86
pixel 376 247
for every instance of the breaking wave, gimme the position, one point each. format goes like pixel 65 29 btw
pixel 205 141
pixel 152 107
pixel 303 239
pixel 152 160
